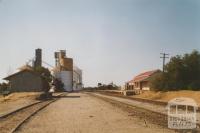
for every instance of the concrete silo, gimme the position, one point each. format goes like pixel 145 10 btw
pixel 38 58
pixel 64 70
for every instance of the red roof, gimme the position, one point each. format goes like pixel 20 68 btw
pixel 143 76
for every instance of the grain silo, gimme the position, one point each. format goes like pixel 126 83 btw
pixel 64 70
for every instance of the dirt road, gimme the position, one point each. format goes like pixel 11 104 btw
pixel 81 113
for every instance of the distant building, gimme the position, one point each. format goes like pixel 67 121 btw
pixel 25 80
pixel 77 79
pixel 141 81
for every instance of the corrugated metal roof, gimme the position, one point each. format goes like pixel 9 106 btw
pixel 25 67
pixel 17 73
pixel 143 76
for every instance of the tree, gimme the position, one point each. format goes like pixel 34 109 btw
pixel 4 86
pixel 46 76
pixel 99 84
pixel 44 72
pixel 182 72
pixel 4 89
pixel 192 65
pixel 157 82
pixel 59 86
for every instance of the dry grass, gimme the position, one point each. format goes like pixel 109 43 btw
pixel 19 95
pixel 166 96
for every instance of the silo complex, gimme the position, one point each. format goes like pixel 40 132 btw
pixel 65 71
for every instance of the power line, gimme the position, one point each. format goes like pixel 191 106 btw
pixel 48 64
pixel 164 56
pixel 33 59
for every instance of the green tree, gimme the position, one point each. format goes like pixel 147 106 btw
pixel 4 86
pixel 46 76
pixel 59 86
pixel 157 82
pixel 192 65
pixel 44 72
pixel 182 72
pixel 4 89
pixel 175 73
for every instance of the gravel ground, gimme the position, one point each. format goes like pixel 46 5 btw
pixel 149 106
pixel 81 113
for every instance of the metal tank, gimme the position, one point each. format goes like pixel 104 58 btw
pixel 67 79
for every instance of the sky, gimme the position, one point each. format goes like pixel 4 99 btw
pixel 110 40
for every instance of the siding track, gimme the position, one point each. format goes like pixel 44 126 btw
pixel 11 122
pixel 149 116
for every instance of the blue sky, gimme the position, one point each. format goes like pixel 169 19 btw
pixel 111 40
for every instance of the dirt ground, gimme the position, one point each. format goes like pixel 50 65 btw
pixel 81 113
pixel 166 96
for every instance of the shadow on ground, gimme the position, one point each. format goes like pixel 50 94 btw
pixel 67 96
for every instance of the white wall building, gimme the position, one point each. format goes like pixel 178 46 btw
pixel 77 79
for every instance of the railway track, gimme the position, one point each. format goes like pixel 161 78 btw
pixel 117 94
pixel 148 116
pixel 13 121
pixel 134 111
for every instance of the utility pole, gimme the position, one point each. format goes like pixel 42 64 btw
pixel 164 56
